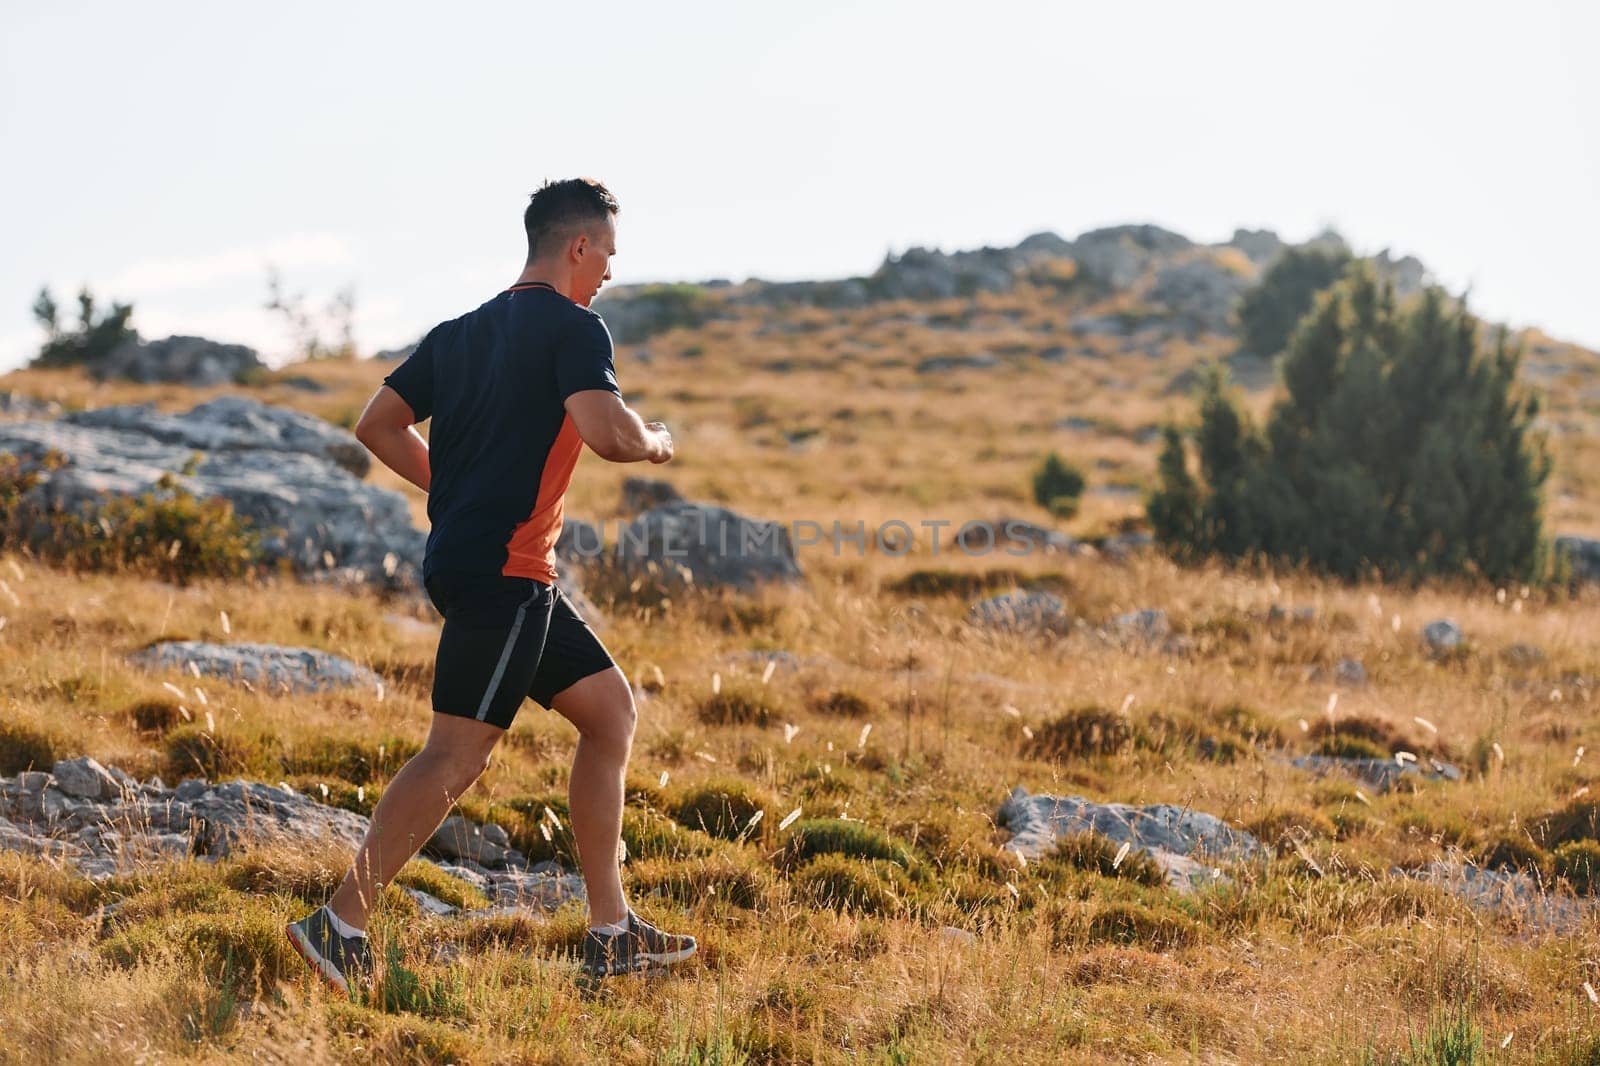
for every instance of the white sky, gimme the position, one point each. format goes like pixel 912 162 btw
pixel 165 153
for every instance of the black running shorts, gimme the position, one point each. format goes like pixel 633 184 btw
pixel 505 638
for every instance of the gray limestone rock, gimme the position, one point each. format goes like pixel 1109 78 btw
pixel 1181 841
pixel 270 666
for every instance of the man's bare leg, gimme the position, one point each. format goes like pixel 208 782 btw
pixel 601 706
pixel 413 805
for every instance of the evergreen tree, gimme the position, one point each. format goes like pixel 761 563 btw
pixel 1399 445
pixel 1268 313
pixel 95 337
pixel 1057 486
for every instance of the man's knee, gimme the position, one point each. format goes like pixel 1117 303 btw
pixel 459 750
pixel 615 724
pixel 458 768
pixel 601 707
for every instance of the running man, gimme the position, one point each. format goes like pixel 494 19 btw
pixel 515 389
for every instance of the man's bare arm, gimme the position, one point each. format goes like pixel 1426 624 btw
pixel 387 428
pixel 615 432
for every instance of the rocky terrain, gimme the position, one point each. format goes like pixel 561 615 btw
pixel 1024 790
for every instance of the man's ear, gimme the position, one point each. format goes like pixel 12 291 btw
pixel 579 245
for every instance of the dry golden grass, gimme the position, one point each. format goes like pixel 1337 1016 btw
pixel 1062 965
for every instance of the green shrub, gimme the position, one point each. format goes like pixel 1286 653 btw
pixel 155 717
pixel 1097 854
pixel 356 761
pixel 1079 733
pixel 1222 736
pixel 1400 447
pixel 257 871
pixel 1287 822
pixel 1078 923
pixel 379 1037
pixel 831 836
pixel 842 883
pixel 97 335
pixel 1511 850
pixel 26 747
pixel 1578 820
pixel 843 703
pixel 648 834
pixel 401 990
pixel 426 877
pixel 337 793
pixel 1578 861
pixel 1057 485
pixel 1358 737
pixel 245 941
pixel 733 878
pixel 1127 922
pixel 167 533
pixel 1269 312
pixel 943 581
pixel 737 704
pixel 723 808
pixel 193 751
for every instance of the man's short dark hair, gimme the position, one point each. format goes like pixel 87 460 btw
pixel 559 206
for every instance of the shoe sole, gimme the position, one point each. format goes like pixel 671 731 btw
pixel 325 969
pixel 646 961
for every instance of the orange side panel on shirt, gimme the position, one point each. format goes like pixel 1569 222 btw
pixel 531 552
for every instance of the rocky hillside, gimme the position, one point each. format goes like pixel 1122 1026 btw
pixel 1057 801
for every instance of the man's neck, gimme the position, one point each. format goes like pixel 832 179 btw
pixel 544 274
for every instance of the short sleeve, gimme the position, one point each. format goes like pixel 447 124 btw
pixel 413 379
pixel 583 358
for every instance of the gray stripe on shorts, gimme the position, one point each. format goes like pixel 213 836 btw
pixel 505 656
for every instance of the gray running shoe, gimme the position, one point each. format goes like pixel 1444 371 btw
pixel 340 960
pixel 641 947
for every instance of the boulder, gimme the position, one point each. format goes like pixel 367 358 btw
pixel 1507 894
pixel 1279 613
pixel 86 779
pixel 397 355
pixel 981 361
pixel 1442 636
pixel 1101 325
pixel 177 360
pixel 1260 246
pixel 580 541
pixel 1523 655
pixel 1201 292
pixel 1181 841
pixel 1381 774
pixel 708 546
pixel 459 838
pixel 1406 274
pixel 227 816
pixel 236 423
pixel 1582 555
pixel 642 493
pixel 15 405
pixel 1118 256
pixel 126 830
pixel 544 890
pixel 1123 545
pixel 929 274
pixel 280 470
pixel 1021 610
pixel 1350 672
pixel 1145 626
pixel 271 666
pixel 1008 535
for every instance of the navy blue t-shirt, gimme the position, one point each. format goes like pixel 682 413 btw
pixel 502 448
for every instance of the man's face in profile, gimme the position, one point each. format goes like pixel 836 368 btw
pixel 594 266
